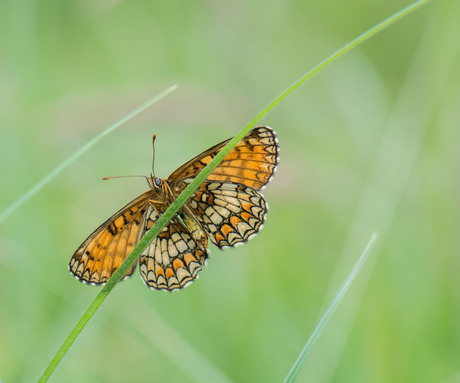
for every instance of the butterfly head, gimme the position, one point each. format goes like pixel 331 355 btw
pixel 155 183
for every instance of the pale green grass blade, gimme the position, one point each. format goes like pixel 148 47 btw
pixel 330 310
pixel 453 378
pixel 187 193
pixel 58 169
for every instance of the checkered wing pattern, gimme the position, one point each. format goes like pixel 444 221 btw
pixel 227 208
pixel 173 259
pixel 230 213
pixel 97 258
pixel 251 162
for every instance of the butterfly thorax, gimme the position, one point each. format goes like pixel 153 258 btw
pixel 162 194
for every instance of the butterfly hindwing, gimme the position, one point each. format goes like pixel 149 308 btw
pixel 173 259
pixel 230 213
pixel 98 257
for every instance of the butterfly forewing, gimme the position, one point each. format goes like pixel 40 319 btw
pixel 251 162
pixel 173 259
pixel 106 248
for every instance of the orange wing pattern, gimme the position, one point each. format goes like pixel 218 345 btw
pixel 251 163
pixel 173 259
pixel 97 258
pixel 227 208
pixel 230 213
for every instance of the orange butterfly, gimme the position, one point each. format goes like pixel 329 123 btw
pixel 227 208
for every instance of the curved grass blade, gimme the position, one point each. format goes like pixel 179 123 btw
pixel 58 169
pixel 330 310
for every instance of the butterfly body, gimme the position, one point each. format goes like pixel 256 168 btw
pixel 227 209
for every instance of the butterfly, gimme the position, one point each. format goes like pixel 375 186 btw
pixel 227 209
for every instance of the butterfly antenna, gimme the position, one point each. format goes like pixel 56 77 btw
pixel 153 158
pixel 109 178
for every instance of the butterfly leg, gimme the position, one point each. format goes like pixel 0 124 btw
pixel 152 201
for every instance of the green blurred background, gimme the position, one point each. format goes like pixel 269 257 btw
pixel 371 143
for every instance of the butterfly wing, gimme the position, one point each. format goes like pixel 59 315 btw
pixel 230 213
pixel 227 205
pixel 98 257
pixel 173 259
pixel 251 162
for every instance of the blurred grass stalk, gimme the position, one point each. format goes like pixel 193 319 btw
pixel 331 309
pixel 187 193
pixel 58 169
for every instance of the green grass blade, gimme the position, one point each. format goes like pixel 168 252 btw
pixel 330 310
pixel 187 193
pixel 51 175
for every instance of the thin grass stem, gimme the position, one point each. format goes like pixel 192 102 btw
pixel 191 188
pixel 58 169
pixel 330 310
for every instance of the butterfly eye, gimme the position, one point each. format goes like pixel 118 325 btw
pixel 157 181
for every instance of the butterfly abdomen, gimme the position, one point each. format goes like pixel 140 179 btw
pixel 195 230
